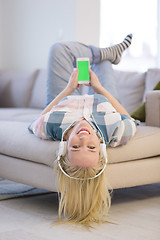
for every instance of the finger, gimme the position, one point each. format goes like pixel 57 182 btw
pixel 76 73
pixel 76 70
pixel 91 74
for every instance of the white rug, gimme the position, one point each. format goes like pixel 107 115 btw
pixel 136 212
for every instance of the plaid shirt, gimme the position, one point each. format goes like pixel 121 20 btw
pixel 117 128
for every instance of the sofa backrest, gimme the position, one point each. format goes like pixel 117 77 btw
pixel 22 89
pixel 38 94
pixel 130 87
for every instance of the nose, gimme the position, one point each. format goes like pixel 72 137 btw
pixel 83 138
pixel 83 141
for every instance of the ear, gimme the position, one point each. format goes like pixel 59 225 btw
pixel 103 151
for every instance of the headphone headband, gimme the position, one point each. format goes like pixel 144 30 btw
pixel 66 174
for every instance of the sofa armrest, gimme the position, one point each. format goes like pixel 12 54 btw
pixel 153 108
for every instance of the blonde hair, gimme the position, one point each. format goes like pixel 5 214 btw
pixel 83 201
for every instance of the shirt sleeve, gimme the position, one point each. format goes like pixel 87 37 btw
pixel 125 130
pixel 37 127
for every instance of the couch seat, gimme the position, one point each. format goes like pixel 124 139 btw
pixel 18 142
pixel 19 114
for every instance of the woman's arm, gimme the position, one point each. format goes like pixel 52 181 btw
pixel 97 87
pixel 71 86
pixel 114 102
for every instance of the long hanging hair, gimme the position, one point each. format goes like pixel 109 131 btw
pixel 83 201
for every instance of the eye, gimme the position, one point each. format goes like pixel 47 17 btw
pixel 75 146
pixel 91 147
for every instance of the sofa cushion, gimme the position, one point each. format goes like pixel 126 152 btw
pixel 19 114
pixel 15 88
pixel 152 79
pixel 140 113
pixel 144 144
pixel 130 87
pixel 17 141
pixel 38 98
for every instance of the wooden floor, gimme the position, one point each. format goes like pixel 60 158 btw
pixel 135 212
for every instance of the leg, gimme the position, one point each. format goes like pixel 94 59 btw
pixel 103 68
pixel 106 76
pixel 113 54
pixel 62 60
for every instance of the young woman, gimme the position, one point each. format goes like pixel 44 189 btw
pixel 85 124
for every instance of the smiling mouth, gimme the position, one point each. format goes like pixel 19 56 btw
pixel 83 131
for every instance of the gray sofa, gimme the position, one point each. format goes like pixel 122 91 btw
pixel 27 159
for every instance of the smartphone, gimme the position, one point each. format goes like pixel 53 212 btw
pixel 83 67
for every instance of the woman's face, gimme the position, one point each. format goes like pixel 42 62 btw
pixel 83 145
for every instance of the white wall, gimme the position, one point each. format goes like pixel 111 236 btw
pixel 88 21
pixel 30 27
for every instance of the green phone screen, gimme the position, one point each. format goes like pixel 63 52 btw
pixel 83 67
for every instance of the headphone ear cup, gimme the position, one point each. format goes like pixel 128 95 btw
pixel 103 150
pixel 62 149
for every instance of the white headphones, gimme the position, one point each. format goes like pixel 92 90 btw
pixel 63 148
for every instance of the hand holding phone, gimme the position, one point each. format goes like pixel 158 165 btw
pixel 95 83
pixel 83 67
